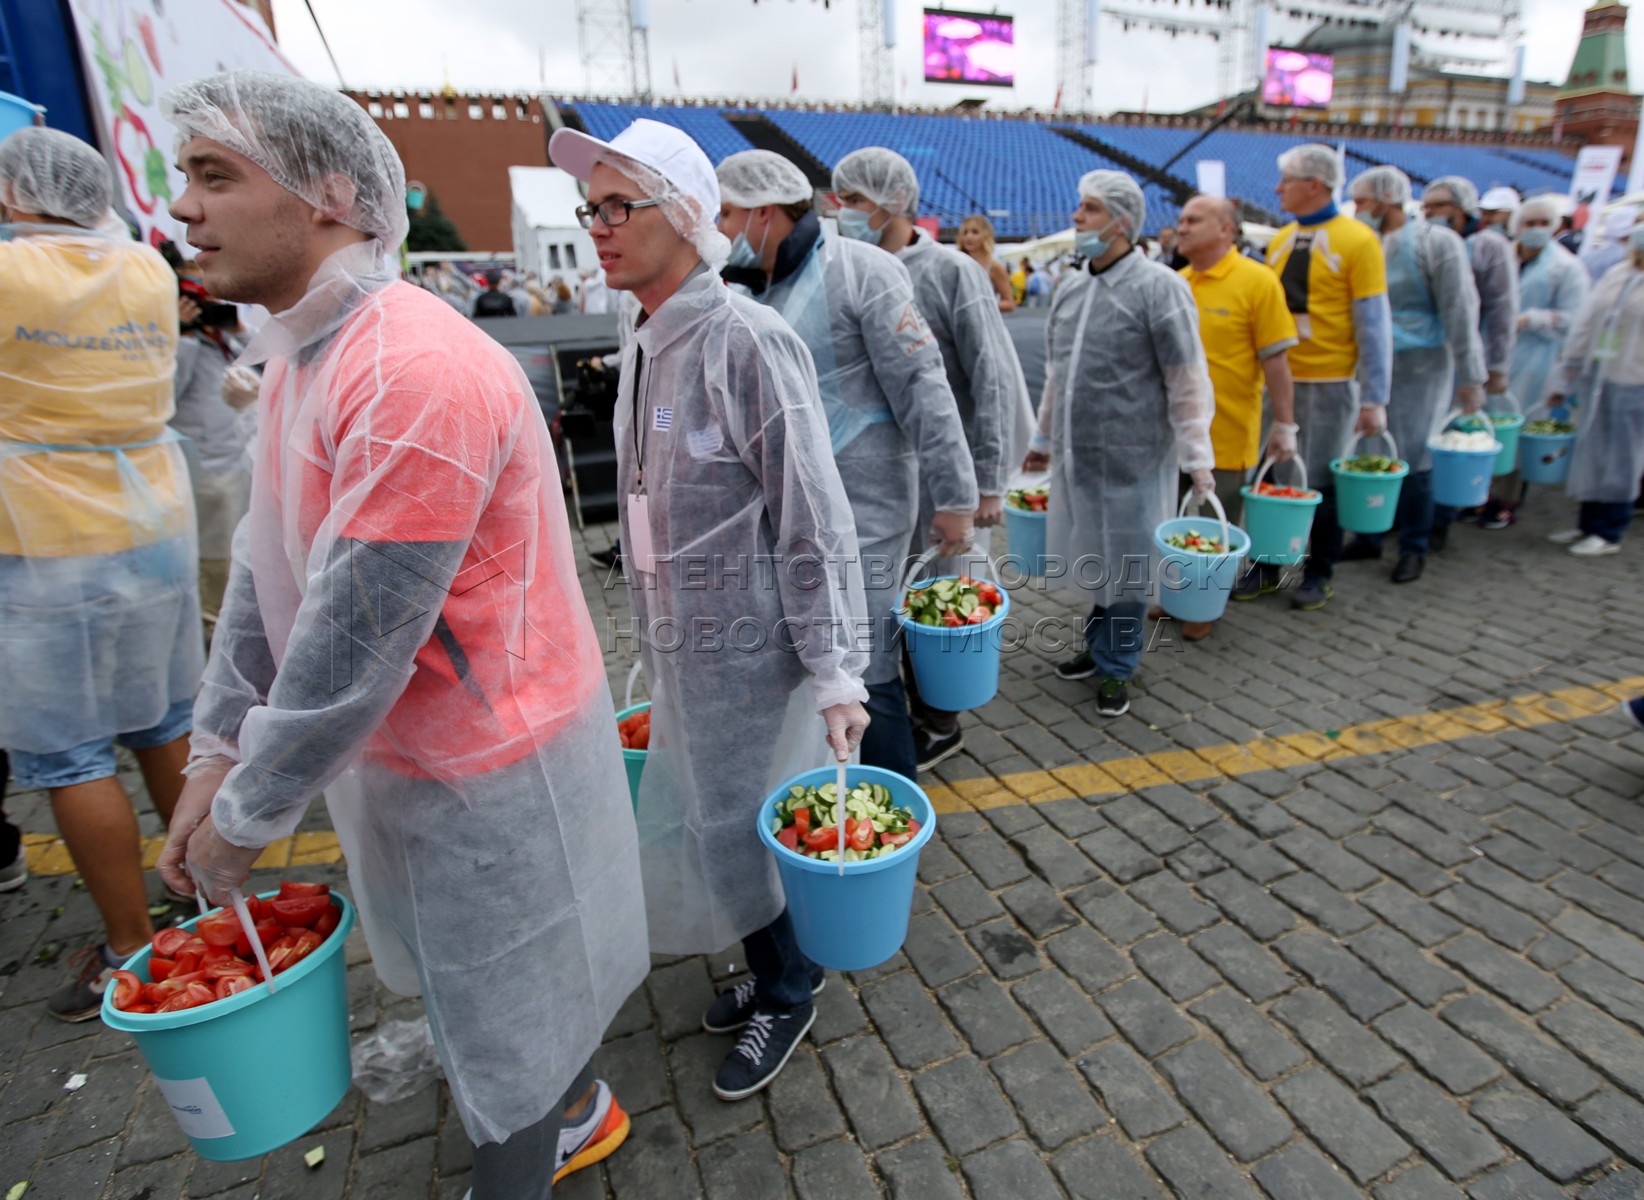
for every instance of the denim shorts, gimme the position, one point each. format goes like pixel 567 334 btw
pixel 95 759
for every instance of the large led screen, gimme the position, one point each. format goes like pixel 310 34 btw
pixel 1296 79
pixel 976 48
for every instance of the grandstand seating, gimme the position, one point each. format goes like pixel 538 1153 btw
pixel 1025 175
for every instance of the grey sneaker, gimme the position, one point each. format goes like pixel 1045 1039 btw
pixel 16 875
pixel 81 999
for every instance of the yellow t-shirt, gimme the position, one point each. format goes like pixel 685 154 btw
pixel 1242 319
pixel 1346 264
pixel 88 345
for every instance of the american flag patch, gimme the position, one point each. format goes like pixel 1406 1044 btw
pixel 662 419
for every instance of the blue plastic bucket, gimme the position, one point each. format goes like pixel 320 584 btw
pixel 857 920
pixel 1506 427
pixel 1026 531
pixel 250 1073
pixel 1367 503
pixel 1194 586
pixel 1461 478
pixel 15 113
pixel 957 668
pixel 1278 527
pixel 1545 457
pixel 633 760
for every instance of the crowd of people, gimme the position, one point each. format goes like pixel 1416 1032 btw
pixel 500 292
pixel 357 507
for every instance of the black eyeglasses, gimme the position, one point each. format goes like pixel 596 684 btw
pixel 613 212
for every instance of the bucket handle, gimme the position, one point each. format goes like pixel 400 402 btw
pixel 1355 440
pixel 1483 414
pixel 1268 463
pixel 1227 536
pixel 628 692
pixel 839 812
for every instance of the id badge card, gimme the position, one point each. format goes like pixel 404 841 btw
pixel 640 551
pixel 1608 345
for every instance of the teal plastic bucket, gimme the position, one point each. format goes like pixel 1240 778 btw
pixel 633 760
pixel 15 113
pixel 1367 503
pixel 1026 531
pixel 857 920
pixel 1193 586
pixel 1507 427
pixel 1461 478
pixel 958 668
pixel 1278 527
pixel 1545 457
pixel 250 1073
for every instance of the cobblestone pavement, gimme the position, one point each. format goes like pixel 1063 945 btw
pixel 1322 917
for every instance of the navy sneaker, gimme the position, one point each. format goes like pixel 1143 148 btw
pixel 1081 667
pixel 1633 710
pixel 732 1009
pixel 1312 594
pixel 1259 579
pixel 766 1044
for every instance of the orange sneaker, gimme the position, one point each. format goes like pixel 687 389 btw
pixel 609 1132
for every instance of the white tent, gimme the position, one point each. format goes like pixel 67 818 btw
pixel 547 239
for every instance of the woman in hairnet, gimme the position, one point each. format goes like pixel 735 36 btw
pixel 880 195
pixel 741 558
pixel 1603 377
pixel 892 421
pixel 404 629
pixel 99 616
pixel 1437 351
pixel 1127 408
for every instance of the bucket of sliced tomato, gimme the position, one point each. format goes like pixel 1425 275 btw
pixel 1279 518
pixel 245 1068
pixel 634 731
pixel 1026 510
pixel 954 627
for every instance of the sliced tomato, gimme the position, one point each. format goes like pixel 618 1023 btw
pixel 219 929
pixel 216 954
pixel 233 984
pixel 861 838
pixel 789 837
pixel 895 839
pixel 952 619
pixel 297 891
pixel 328 922
pixel 641 739
pixel 177 1003
pixel 229 969
pixel 201 992
pixel 300 912
pixel 152 995
pixel 257 907
pixel 802 820
pixel 128 989
pixel 186 963
pixel 279 951
pixel 168 941
pixel 160 969
pixel 979 614
pixel 141 1008
pixel 825 837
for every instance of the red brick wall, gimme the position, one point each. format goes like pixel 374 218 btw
pixel 464 160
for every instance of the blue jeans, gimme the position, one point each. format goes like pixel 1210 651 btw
pixel 782 973
pixel 95 759
pixel 1609 521
pixel 1116 636
pixel 1415 516
pixel 888 743
pixel 1325 542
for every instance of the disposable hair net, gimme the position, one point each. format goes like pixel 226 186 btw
pixel 883 176
pixel 1385 185
pixel 692 218
pixel 1461 191
pixel 758 177
pixel 1537 208
pixel 49 173
pixel 316 143
pixel 1313 161
pixel 1121 194
pixel 1500 199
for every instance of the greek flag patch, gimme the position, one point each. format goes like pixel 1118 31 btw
pixel 662 419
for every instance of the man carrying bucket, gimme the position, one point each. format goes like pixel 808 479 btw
pixel 1436 351
pixel 891 415
pixel 740 554
pixel 403 628
pixel 1127 408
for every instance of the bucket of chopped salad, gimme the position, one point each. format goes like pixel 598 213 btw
pixel 857 919
pixel 1368 486
pixel 1464 458
pixel 955 630
pixel 1505 425
pixel 1278 518
pixel 1026 510
pixel 1544 447
pixel 1199 562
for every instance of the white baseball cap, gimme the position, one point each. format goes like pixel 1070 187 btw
pixel 690 198
pixel 1500 199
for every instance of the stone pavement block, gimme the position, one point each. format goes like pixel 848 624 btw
pixel 1011 1169
pixel 1515 1181
pixel 985 1015
pixel 1102 1168
pixel 405 1120
pixel 1541 1063
pixel 1248 904
pixel 744 1167
pixel 1039 909
pixel 909 1021
pixel 966 901
pixel 1540 1132
pixel 1421 835
pixel 1055 1108
pixel 1315 898
pixel 831 1171
pixel 1420 1182
pixel 1623 1185
pixel 23 1144
pixel 1195 1166
pixel 1550 839
pixel 1248 853
pixel 1513 979
pixel 1608 988
pixel 37 1085
pixel 1148 1020
pixel 288 1177
pixel 1237 1113
pixel 1323 814
pixel 1356 1054
pixel 1520 857
pixel 1130 1092
pixel 996 864
pixel 965 1107
pixel 1075 817
pixel 1008 952
pixel 1625 877
pixel 680 993
pixel 1192 863
pixel 1113 913
pixel 1183 975
pixel 1440 1051
pixel 85 1172
pixel 1489 916
pixel 1265 1052
pixel 382 1176
pixel 633 1067
pixel 1436 1124
pixel 1315 852
pixel 920 1171
pixel 1616 1118
pixel 1604 942
pixel 1071 1020
pixel 1089 958
pixel 101 1108
pixel 1299 1172
pixel 1509 888
pixel 876 1100
pixel 1248 966
pixel 1329 966
pixel 937 862
pixel 1603 1041
pixel 1253 810
pixel 1336 1119
pixel 1398 861
pixel 1409 914
pixel 803 1110
pixel 1601 900
pixel 655 1162
pixel 1055 859
pixel 166 1179
pixel 1174 903
pixel 838 1012
pixel 1448 816
pixel 1181 806
pixel 693 1062
pixel 1122 857
pixel 1402 963
pixel 1146 824
pixel 153 1132
pixel 1346 791
pixel 936 951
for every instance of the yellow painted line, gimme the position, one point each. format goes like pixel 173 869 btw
pixel 48 856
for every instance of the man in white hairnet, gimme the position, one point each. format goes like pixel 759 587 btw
pixel 740 553
pixel 1126 411
pixel 1609 242
pixel 404 629
pixel 1452 202
pixel 892 421
pixel 99 613
pixel 1335 283
pixel 1496 208
pixel 1436 351
pixel 879 193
